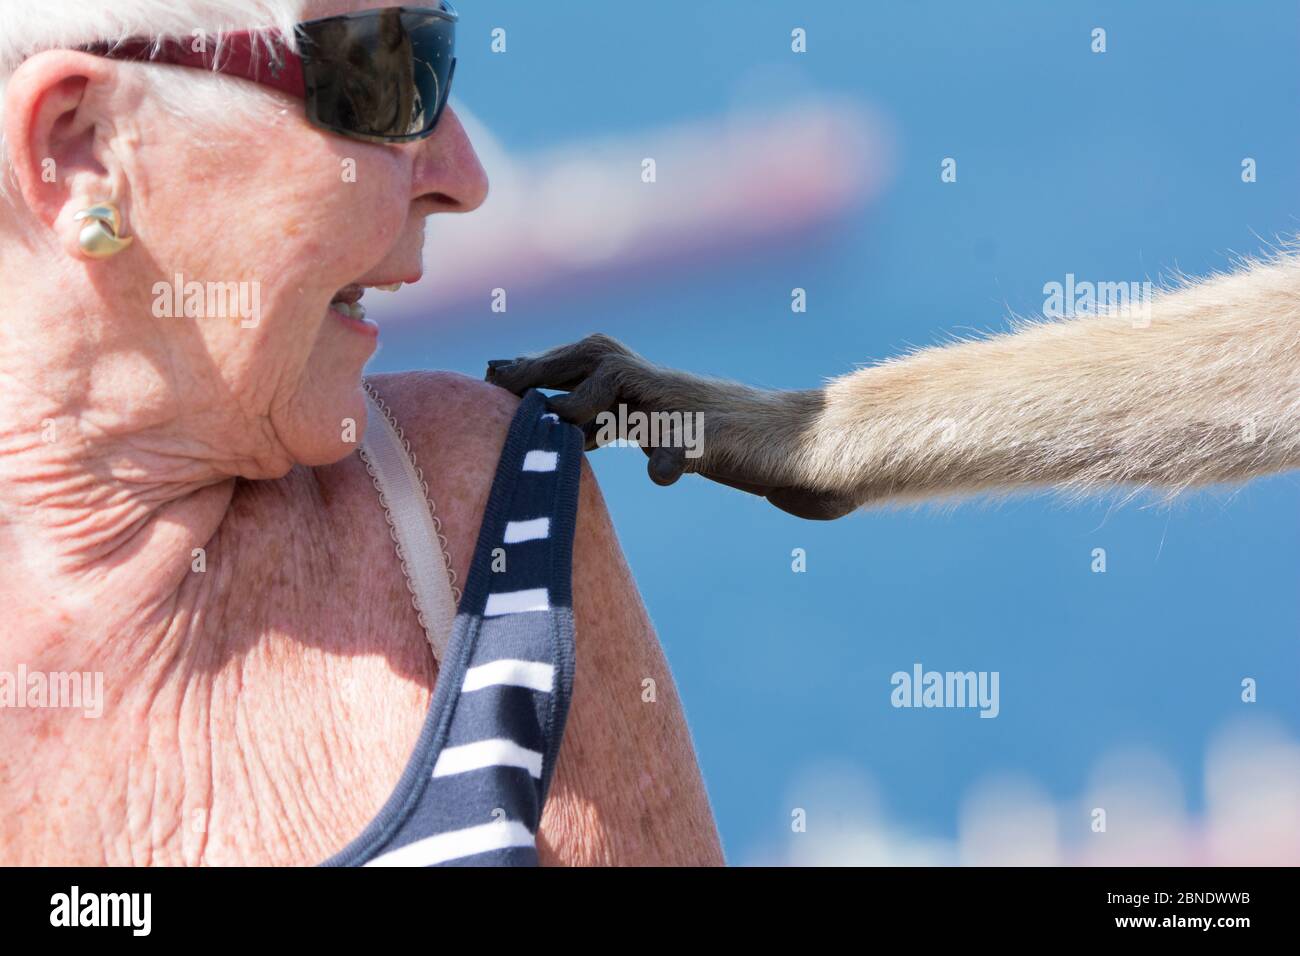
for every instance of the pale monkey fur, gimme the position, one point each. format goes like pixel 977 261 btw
pixel 1201 388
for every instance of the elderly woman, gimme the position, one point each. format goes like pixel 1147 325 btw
pixel 201 503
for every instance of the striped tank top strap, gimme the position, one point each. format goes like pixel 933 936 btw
pixel 484 765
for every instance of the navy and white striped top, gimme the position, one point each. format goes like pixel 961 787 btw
pixel 473 791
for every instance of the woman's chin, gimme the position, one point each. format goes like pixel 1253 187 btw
pixel 323 437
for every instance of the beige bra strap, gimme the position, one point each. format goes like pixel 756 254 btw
pixel 415 529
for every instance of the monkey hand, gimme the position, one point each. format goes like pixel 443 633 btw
pixel 758 441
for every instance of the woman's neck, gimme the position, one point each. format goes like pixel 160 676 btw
pixel 143 696
pixel 238 703
pixel 101 594
pixel 111 482
pixel 90 545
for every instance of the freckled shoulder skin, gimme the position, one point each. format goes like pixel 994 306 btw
pixel 627 788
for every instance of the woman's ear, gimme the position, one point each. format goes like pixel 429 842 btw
pixel 52 116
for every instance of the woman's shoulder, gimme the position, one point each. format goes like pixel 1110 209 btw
pixel 606 806
pixel 448 413
pixel 456 427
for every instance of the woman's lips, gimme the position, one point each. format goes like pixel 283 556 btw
pixel 353 315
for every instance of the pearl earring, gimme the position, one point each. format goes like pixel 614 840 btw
pixel 99 237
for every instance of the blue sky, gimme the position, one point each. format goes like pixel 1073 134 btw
pixel 1122 165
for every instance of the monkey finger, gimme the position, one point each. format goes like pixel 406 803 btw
pixel 593 396
pixel 666 464
pixel 544 371
pixel 563 367
pixel 498 373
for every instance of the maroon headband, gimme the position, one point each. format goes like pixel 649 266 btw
pixel 260 56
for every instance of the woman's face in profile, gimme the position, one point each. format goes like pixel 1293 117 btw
pixel 295 216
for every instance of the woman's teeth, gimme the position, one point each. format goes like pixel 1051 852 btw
pixel 355 308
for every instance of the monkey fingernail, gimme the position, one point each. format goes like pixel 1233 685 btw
pixel 497 367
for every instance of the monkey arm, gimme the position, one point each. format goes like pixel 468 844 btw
pixel 1203 386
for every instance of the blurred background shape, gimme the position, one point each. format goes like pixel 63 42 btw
pixel 1252 789
pixel 583 213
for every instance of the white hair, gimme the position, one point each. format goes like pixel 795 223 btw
pixel 28 27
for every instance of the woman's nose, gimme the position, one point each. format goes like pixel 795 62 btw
pixel 447 170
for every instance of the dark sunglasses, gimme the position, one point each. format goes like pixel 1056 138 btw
pixel 382 76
